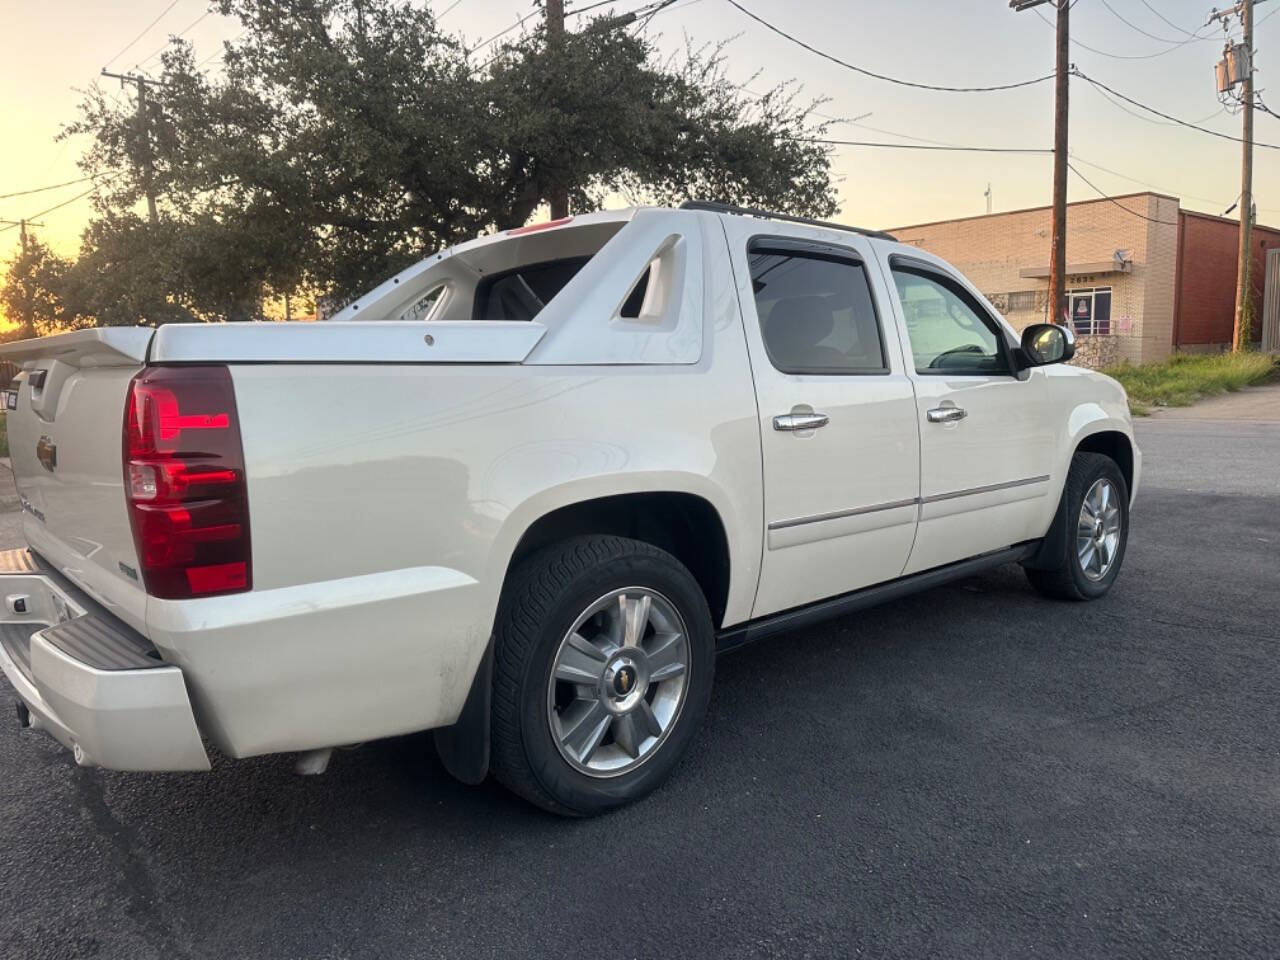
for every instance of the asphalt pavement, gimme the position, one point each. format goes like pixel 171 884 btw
pixel 973 772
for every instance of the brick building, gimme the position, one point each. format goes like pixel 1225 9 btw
pixel 1144 277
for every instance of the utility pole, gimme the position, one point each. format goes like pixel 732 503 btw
pixel 1062 76
pixel 22 230
pixel 1236 68
pixel 1058 265
pixel 559 195
pixel 146 168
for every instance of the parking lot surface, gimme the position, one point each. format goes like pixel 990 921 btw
pixel 974 772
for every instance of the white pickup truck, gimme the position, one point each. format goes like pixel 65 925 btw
pixel 522 493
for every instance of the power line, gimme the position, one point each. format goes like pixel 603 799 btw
pixel 880 76
pixel 1145 119
pixel 1143 183
pixel 52 186
pixel 538 12
pixel 1133 26
pixel 1151 186
pixel 817 113
pixel 1173 119
pixel 642 25
pixel 594 6
pixel 181 33
pixel 681 6
pixel 503 33
pixel 920 146
pixel 651 9
pixel 221 53
pixel 1119 56
pixel 895 133
pixel 1134 213
pixel 56 206
pixel 449 9
pixel 1148 5
pixel 64 203
pixel 123 49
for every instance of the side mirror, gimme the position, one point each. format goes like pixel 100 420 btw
pixel 1044 343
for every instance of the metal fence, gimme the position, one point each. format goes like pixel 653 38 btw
pixel 1271 302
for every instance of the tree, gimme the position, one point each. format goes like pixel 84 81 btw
pixel 32 295
pixel 348 138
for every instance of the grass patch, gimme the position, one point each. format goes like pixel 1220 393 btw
pixel 1187 377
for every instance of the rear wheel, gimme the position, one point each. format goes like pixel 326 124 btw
pixel 1096 501
pixel 603 665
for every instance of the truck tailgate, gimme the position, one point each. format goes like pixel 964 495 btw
pixel 65 422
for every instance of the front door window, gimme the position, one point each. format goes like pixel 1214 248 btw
pixel 948 330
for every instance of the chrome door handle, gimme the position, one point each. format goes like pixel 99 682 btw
pixel 947 414
pixel 800 421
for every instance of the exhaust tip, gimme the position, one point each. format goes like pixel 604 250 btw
pixel 24 715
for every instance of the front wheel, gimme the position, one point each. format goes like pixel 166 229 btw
pixel 1096 501
pixel 603 665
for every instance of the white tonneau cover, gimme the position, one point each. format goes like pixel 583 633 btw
pixel 352 342
pixel 98 347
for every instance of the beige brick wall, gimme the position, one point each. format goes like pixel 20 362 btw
pixel 1161 275
pixel 991 250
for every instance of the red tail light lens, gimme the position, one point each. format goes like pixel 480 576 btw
pixel 184 482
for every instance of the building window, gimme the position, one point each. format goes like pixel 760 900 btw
pixel 1022 300
pixel 1090 311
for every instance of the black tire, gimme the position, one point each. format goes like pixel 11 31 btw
pixel 1068 581
pixel 541 601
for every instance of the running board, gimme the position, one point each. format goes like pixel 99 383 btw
pixel 800 617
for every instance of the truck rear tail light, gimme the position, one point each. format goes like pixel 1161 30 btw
pixel 184 482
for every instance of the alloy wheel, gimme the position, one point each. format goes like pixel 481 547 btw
pixel 618 682
pixel 1098 529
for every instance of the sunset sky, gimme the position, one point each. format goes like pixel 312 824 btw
pixel 58 46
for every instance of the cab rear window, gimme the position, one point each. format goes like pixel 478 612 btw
pixel 521 293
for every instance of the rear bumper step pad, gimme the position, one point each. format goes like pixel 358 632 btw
pixel 95 685
pixel 103 645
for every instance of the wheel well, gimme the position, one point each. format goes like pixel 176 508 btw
pixel 1114 444
pixel 684 525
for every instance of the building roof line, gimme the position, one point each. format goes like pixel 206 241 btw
pixel 1227 220
pixel 1004 213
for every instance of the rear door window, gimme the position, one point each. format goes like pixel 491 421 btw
pixel 815 309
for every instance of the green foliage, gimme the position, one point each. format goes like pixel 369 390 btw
pixel 1188 377
pixel 348 138
pixel 32 292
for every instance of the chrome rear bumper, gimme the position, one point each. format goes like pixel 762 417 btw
pixel 95 685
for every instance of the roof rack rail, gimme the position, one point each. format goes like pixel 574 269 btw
pixel 789 218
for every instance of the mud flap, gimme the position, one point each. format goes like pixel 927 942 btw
pixel 464 747
pixel 1053 548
